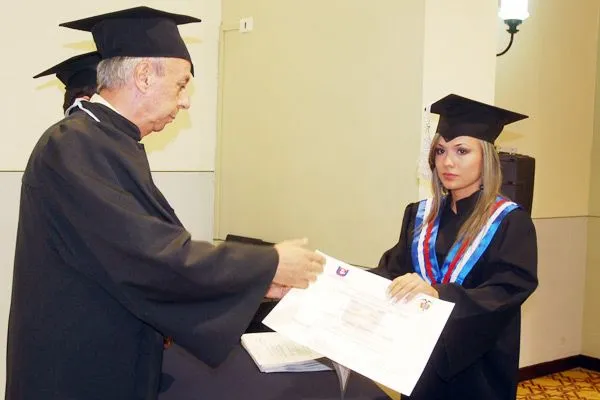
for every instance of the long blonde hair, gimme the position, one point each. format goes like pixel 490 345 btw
pixel 491 179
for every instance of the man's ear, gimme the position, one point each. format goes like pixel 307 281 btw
pixel 143 75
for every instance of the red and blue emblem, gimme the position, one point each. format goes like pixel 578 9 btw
pixel 341 271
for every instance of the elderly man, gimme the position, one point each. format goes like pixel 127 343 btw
pixel 104 269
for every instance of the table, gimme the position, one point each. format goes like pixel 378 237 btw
pixel 187 378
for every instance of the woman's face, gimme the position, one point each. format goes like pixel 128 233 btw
pixel 458 164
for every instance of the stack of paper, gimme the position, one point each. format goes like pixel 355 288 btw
pixel 273 352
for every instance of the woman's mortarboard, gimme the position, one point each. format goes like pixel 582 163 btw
pixel 460 116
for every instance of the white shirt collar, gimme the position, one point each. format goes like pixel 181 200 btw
pixel 96 98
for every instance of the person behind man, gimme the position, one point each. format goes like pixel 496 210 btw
pixel 78 74
pixel 471 246
pixel 104 269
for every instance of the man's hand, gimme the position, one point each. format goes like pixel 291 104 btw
pixel 277 291
pixel 297 266
pixel 408 286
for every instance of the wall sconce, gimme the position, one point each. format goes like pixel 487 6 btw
pixel 513 12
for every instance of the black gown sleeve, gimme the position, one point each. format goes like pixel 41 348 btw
pixel 201 295
pixel 482 313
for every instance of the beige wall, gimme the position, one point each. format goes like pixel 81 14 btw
pixel 550 74
pixel 455 60
pixel 591 327
pixel 553 316
pixel 321 120
pixel 186 145
pixel 353 99
pixel 595 151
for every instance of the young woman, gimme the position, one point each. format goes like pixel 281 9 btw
pixel 471 246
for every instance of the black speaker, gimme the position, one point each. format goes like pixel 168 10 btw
pixel 518 174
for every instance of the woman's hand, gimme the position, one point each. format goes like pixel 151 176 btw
pixel 408 286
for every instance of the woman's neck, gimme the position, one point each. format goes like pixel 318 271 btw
pixel 459 194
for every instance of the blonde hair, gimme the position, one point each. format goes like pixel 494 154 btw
pixel 491 179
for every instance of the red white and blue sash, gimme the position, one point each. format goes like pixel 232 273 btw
pixel 463 256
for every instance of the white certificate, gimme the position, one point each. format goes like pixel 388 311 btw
pixel 347 316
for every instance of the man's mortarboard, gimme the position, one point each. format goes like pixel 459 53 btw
pixel 137 32
pixel 76 72
pixel 460 116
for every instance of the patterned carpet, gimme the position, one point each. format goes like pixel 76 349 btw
pixel 577 383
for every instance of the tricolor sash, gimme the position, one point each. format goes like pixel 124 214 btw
pixel 463 256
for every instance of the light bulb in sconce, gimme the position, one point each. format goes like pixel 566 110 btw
pixel 513 13
pixel 514 9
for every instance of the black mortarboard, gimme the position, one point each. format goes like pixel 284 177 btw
pixel 460 116
pixel 78 71
pixel 137 32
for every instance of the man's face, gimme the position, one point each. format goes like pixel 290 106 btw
pixel 168 94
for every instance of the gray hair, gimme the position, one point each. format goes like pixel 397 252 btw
pixel 116 72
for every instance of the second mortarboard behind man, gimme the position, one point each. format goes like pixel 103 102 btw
pixel 78 74
pixel 137 32
pixel 460 116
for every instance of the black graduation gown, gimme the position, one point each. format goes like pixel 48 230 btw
pixel 103 269
pixel 477 355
